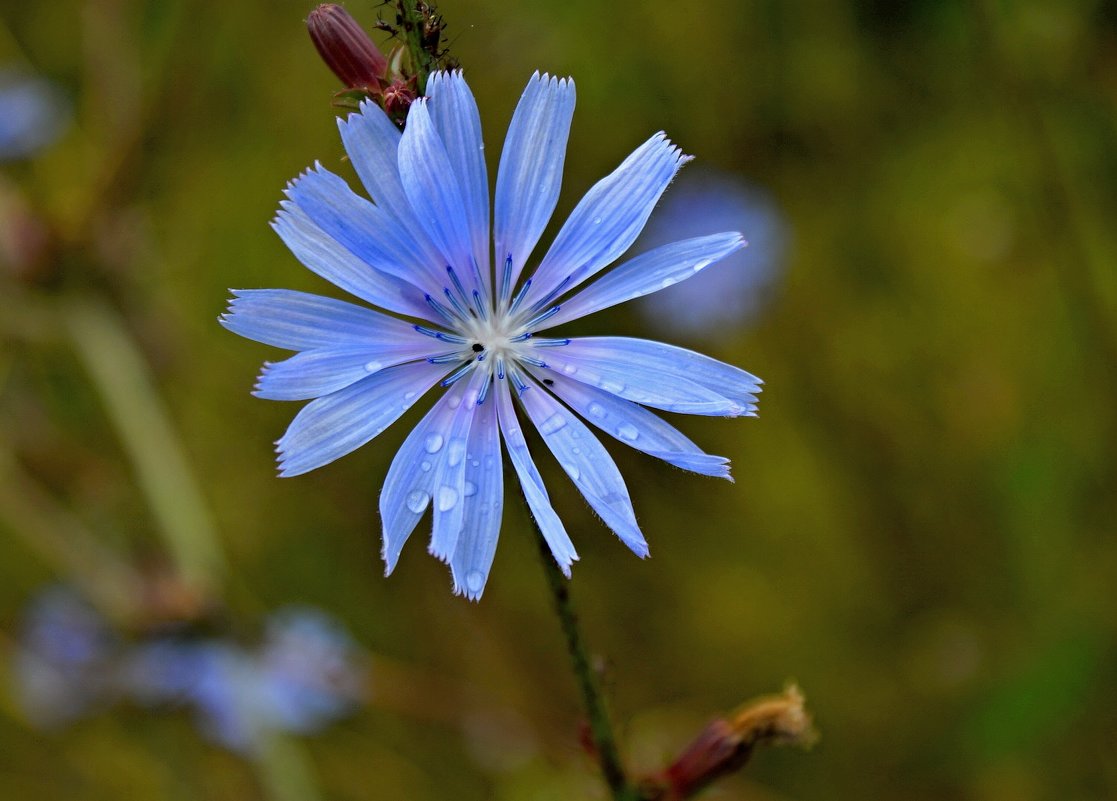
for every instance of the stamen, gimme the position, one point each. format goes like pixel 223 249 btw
pixel 500 367
pixel 550 343
pixel 482 307
pixel 438 307
pixel 458 374
pixel 442 336
pixel 458 286
pixel 484 393
pixel 506 282
pixel 519 296
pixel 551 312
pixel 457 304
pixel 521 386
pixel 554 293
pixel 446 358
pixel 522 337
pixel 531 360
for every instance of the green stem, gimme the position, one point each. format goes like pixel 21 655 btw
pixel 412 20
pixel 605 743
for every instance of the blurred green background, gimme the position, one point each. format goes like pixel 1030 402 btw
pixel 922 528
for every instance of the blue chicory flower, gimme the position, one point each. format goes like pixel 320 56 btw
pixel 422 251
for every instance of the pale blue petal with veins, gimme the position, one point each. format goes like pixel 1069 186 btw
pixel 421 249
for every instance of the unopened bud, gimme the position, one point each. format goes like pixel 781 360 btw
pixel 346 48
pixel 398 99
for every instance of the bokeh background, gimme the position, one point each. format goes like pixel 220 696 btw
pixel 922 528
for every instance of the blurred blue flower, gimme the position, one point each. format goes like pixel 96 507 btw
pixel 311 670
pixel 32 115
pixel 732 293
pixel 307 673
pixel 62 659
pixel 423 251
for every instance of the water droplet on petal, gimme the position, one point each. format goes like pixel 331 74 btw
pixel 475 581
pixel 470 489
pixel 628 431
pixel 553 423
pixel 447 497
pixel 410 395
pixel 425 466
pixel 457 452
pixel 597 410
pixel 616 387
pixel 572 471
pixel 434 443
pixel 597 221
pixel 372 367
pixel 417 501
pixel 666 282
pixel 475 463
pixel 454 401
pixel 569 369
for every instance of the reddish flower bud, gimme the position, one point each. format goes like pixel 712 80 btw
pixel 346 48
pixel 398 98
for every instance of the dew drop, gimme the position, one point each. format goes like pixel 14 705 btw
pixel 410 395
pixel 552 424
pixel 417 501
pixel 616 387
pixel 572 471
pixel 434 443
pixel 425 466
pixel 597 221
pixel 597 410
pixel 372 367
pixel 470 489
pixel 475 581
pixel 475 463
pixel 454 401
pixel 576 451
pixel 666 282
pixel 628 431
pixel 447 497
pixel 569 369
pixel 457 452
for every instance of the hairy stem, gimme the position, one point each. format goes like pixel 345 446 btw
pixel 414 15
pixel 601 730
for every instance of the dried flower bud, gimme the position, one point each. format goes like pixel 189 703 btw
pixel 346 48
pixel 725 746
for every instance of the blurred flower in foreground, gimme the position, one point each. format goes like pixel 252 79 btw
pixel 32 115
pixel 423 251
pixel 62 658
pixel 736 290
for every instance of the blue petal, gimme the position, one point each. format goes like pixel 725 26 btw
pixel 608 219
pixel 649 272
pixel 667 390
pixel 588 464
pixel 532 483
pixel 530 174
pixel 301 321
pixel 411 478
pixel 362 228
pixel 314 373
pixel 672 364
pixel 332 426
pixel 433 191
pixel 637 427
pixel 372 142
pixel 327 257
pixel 484 504
pixel 454 113
pixel 449 483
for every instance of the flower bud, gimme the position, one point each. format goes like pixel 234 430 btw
pixel 346 48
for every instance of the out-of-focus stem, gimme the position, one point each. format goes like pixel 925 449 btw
pixel 118 371
pixel 601 730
